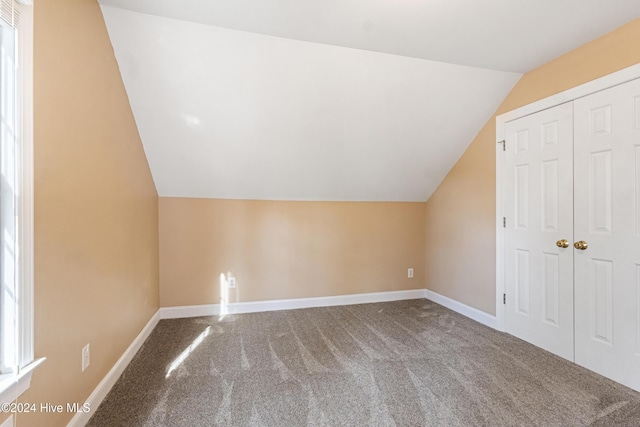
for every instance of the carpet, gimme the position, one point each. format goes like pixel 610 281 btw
pixel 403 363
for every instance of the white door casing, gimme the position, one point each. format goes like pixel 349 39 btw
pixel 606 201
pixel 539 212
pixel 619 77
pixel 607 217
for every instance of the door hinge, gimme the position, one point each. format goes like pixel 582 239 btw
pixel 504 144
pixel 504 298
pixel 504 222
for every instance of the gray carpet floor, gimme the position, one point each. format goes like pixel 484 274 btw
pixel 405 363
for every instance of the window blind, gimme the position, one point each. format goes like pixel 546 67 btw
pixel 10 10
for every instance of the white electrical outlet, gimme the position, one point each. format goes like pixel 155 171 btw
pixel 231 282
pixel 86 357
pixel 410 273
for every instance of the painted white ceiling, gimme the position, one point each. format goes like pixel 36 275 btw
pixel 329 100
pixel 507 35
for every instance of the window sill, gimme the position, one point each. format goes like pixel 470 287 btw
pixel 13 385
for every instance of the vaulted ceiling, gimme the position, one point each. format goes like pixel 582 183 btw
pixel 329 100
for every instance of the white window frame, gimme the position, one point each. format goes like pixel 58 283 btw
pixel 16 383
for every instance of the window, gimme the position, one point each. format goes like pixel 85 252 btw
pixel 16 198
pixel 8 190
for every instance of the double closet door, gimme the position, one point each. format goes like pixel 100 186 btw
pixel 572 235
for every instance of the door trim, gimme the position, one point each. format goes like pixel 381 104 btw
pixel 619 77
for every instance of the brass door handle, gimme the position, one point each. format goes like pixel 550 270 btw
pixel 582 245
pixel 564 243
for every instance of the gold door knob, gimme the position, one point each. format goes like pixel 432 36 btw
pixel 564 243
pixel 582 245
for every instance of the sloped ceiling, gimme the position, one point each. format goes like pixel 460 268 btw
pixel 332 100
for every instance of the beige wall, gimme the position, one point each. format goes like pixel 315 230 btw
pixel 281 250
pixel 460 216
pixel 96 212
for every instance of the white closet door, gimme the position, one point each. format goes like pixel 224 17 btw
pixel 539 213
pixel 607 217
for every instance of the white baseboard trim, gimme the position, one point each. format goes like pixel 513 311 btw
pixel 287 304
pixel 465 310
pixel 100 392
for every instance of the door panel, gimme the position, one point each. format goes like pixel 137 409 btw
pixel 539 212
pixel 550 287
pixel 607 206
